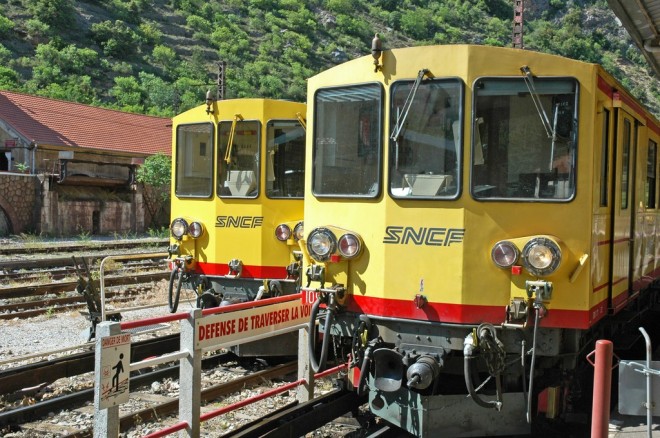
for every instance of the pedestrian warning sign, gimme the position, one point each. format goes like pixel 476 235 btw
pixel 115 370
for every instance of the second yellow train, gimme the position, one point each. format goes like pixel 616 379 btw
pixel 237 201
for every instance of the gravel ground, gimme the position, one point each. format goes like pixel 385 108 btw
pixel 57 331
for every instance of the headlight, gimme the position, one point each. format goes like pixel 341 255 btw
pixel 349 246
pixel 195 229
pixel 282 232
pixel 321 244
pixel 541 256
pixel 504 254
pixel 179 228
pixel 299 231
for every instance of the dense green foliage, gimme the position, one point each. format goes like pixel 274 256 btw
pixel 160 56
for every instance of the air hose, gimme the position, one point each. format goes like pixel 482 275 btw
pixel 487 336
pixel 329 316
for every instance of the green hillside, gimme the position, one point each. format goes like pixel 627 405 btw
pixel 160 56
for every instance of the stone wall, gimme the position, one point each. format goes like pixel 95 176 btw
pixel 31 204
pixel 61 216
pixel 19 202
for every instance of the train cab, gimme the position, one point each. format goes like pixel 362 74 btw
pixel 237 201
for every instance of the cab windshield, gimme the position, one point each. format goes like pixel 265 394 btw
pixel 238 161
pixel 347 141
pixel 425 142
pixel 524 139
pixel 285 159
pixel 194 160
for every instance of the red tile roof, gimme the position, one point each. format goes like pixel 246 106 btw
pixel 60 123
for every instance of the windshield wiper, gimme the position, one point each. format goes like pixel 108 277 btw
pixel 403 115
pixel 545 121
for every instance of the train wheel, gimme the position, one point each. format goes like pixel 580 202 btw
pixel 174 290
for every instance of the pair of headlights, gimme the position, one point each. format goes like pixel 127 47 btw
pixel 322 244
pixel 541 256
pixel 283 232
pixel 180 228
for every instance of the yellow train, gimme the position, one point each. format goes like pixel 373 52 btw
pixel 237 201
pixel 475 218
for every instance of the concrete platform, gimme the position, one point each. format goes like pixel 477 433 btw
pixel 631 426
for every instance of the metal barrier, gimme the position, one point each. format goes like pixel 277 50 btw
pixel 636 386
pixel 140 256
pixel 201 330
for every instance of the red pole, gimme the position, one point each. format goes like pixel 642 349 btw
pixel 600 416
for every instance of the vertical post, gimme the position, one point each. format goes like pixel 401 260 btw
pixel 518 10
pixel 600 416
pixel 222 66
pixel 106 421
pixel 304 392
pixel 190 377
pixel 649 384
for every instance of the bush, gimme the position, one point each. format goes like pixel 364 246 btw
pixel 150 33
pixel 6 25
pixel 116 39
pixel 56 13
pixel 8 78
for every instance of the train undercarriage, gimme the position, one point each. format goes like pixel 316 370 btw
pixel 485 380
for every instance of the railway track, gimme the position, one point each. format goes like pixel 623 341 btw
pixel 55 247
pixel 30 418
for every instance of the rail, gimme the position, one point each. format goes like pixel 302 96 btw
pixel 140 256
pixel 201 330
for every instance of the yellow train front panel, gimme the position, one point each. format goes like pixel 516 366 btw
pixel 438 154
pixel 238 170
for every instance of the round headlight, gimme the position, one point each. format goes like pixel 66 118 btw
pixel 179 228
pixel 282 232
pixel 504 254
pixel 195 229
pixel 541 256
pixel 321 244
pixel 299 231
pixel 349 246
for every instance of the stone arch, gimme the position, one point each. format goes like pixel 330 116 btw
pixel 7 219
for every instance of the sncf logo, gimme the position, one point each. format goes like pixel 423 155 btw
pixel 239 221
pixel 423 236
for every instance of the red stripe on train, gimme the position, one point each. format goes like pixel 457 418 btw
pixel 468 314
pixel 248 270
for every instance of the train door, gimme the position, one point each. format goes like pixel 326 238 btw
pixel 623 213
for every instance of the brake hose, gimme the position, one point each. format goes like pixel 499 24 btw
pixel 330 310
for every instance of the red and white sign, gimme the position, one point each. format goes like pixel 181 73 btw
pixel 232 328
pixel 10 143
pixel 115 369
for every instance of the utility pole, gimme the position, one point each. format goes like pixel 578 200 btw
pixel 518 8
pixel 222 66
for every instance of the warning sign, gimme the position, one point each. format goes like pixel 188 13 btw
pixel 231 328
pixel 115 370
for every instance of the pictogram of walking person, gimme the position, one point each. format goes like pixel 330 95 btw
pixel 120 369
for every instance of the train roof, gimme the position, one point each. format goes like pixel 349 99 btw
pixel 642 20
pixel 479 54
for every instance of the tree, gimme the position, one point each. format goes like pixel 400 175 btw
pixel 56 13
pixel 155 176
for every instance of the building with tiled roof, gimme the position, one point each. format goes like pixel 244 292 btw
pixel 80 153
pixel 28 121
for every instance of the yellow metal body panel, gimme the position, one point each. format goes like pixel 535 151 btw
pixel 238 228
